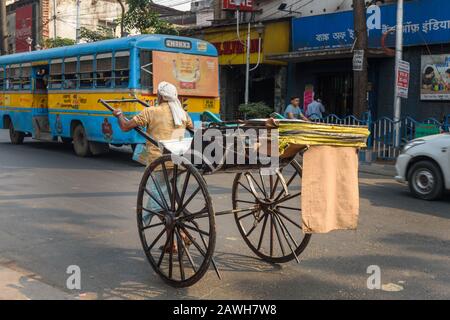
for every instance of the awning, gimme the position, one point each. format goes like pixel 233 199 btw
pixel 304 56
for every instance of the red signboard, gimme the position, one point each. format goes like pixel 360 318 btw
pixel 24 23
pixel 403 72
pixel 246 5
pixel 235 47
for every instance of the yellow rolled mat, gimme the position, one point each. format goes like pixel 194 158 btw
pixel 314 134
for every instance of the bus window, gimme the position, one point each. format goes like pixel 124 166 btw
pixel 2 78
pixel 7 84
pixel 26 76
pixel 104 70
pixel 56 76
pixel 122 69
pixel 86 73
pixel 70 73
pixel 146 70
pixel 14 77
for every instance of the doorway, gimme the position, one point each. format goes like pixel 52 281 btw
pixel 336 91
pixel 263 90
pixel 41 127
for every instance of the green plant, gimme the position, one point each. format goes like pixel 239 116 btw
pixel 255 110
pixel 58 42
pixel 102 33
pixel 142 17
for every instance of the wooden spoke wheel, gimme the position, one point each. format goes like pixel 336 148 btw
pixel 176 221
pixel 268 219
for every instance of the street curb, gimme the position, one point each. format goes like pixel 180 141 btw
pixel 377 169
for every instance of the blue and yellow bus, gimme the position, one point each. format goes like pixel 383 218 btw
pixel 53 94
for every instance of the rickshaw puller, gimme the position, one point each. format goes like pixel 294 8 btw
pixel 167 121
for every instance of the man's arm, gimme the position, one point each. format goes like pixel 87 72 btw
pixel 124 124
pixel 303 117
pixel 189 124
pixel 290 115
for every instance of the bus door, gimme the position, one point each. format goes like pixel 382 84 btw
pixel 41 128
pixel 2 95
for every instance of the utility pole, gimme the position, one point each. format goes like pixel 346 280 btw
pixel 360 78
pixel 54 19
pixel 247 64
pixel 398 58
pixel 217 10
pixel 3 29
pixel 122 7
pixel 77 34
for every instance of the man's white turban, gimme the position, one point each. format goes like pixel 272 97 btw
pixel 169 93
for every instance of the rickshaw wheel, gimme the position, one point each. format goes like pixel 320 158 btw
pixel 177 229
pixel 270 221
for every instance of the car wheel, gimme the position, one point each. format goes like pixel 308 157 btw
pixel 16 137
pixel 80 142
pixel 425 180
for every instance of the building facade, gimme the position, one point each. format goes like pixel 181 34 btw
pixel 272 81
pixel 320 59
pixel 37 20
pixel 267 77
pixel 49 19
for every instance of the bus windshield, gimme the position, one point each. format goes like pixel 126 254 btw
pixel 194 75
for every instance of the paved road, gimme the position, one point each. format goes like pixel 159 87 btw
pixel 58 210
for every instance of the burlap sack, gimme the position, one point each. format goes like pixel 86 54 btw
pixel 330 191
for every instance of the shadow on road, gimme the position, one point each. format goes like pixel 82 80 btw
pixel 59 156
pixel 398 195
pixel 67 195
pixel 419 243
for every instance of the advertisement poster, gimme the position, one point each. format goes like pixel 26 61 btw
pixel 403 74
pixel 193 75
pixel 24 23
pixel 435 77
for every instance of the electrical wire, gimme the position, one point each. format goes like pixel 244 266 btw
pixel 173 4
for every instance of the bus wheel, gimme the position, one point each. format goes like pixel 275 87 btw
pixel 80 142
pixel 16 137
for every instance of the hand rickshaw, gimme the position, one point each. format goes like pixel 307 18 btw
pixel 266 208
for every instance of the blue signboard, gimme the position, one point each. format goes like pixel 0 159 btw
pixel 425 22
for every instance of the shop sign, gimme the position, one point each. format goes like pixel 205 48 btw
pixel 246 5
pixel 358 60
pixel 403 72
pixel 426 22
pixel 236 47
pixel 231 47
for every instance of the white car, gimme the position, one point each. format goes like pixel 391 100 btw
pixel 425 164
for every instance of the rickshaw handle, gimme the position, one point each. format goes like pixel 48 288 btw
pixel 137 129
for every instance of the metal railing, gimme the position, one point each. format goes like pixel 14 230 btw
pixel 383 133
pixel 347 120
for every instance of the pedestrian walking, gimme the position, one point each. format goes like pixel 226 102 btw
pixel 315 109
